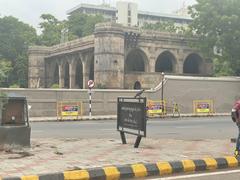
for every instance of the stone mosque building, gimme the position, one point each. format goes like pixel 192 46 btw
pixel 116 56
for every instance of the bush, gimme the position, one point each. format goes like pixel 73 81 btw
pixel 55 86
pixel 14 86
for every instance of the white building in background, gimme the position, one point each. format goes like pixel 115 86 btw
pixel 127 13
pixel 109 13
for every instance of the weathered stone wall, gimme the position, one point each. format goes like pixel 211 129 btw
pixel 147 80
pixel 182 90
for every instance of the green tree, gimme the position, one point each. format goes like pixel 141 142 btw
pixel 5 70
pixel 81 25
pixel 51 30
pixel 15 37
pixel 164 26
pixel 217 24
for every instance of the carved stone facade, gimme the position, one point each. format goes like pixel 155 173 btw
pixel 115 57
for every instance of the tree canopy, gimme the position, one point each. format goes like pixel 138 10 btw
pixel 15 38
pixel 164 26
pixel 51 30
pixel 80 24
pixel 217 24
pixel 5 70
pixel 77 25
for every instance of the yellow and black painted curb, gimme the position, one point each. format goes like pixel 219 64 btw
pixel 139 170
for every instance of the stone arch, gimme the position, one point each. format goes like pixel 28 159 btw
pixel 66 75
pixel 137 85
pixel 136 60
pixel 166 62
pixel 79 74
pixel 193 64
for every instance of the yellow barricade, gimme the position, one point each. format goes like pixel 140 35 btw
pixel 203 107
pixel 156 107
pixel 69 110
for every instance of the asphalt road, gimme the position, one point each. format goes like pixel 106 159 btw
pixel 177 128
pixel 220 175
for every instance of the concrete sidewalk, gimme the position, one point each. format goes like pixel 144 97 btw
pixel 59 155
pixel 110 117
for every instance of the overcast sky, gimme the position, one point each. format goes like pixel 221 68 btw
pixel 29 11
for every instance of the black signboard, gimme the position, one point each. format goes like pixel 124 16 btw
pixel 131 117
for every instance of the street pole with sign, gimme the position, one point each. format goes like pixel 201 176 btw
pixel 90 86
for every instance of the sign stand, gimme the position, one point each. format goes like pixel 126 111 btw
pixel 123 137
pixel 131 118
pixel 90 102
pixel 90 86
pixel 137 142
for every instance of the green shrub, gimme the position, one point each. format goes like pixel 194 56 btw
pixel 55 86
pixel 14 86
pixel 3 101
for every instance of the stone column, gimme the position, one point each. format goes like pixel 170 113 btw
pixel 36 66
pixel 85 75
pixel 109 55
pixel 180 62
pixel 50 70
pixel 72 75
pixel 72 71
pixel 86 64
pixel 61 75
pixel 179 68
pixel 152 59
pixel 152 63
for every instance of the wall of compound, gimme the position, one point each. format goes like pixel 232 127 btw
pixel 182 90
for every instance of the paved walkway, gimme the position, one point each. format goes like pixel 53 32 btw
pixel 58 155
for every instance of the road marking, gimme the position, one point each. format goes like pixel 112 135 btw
pixel 197 175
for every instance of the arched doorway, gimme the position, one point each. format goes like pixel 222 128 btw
pixel 166 62
pixel 137 85
pixel 66 76
pixel 79 75
pixel 56 75
pixel 192 64
pixel 136 60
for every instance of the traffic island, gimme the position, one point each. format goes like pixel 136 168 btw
pixel 140 170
